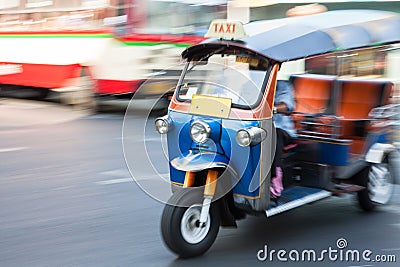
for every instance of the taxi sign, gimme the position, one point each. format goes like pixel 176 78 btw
pixel 225 29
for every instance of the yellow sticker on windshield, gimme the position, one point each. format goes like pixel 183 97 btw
pixel 210 106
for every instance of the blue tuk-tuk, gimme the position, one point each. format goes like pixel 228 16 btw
pixel 220 124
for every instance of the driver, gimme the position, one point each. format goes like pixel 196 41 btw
pixel 284 104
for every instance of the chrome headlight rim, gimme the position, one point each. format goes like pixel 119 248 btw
pixel 163 124
pixel 254 136
pixel 205 131
pixel 240 137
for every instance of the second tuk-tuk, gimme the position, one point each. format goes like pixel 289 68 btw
pixel 220 124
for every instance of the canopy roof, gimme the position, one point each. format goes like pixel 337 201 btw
pixel 300 37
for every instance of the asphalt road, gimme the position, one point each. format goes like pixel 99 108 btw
pixel 67 199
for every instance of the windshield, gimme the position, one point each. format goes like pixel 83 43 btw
pixel 238 77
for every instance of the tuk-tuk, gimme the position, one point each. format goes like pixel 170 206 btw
pixel 220 124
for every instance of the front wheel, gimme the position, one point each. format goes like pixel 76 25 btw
pixel 180 227
pixel 379 186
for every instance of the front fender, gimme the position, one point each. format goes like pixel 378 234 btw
pixel 378 151
pixel 195 161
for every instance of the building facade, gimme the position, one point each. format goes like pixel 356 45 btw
pixel 49 14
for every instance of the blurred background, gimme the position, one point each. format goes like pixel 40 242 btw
pixel 91 52
pixel 67 71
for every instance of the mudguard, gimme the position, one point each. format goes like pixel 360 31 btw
pixel 377 152
pixel 194 161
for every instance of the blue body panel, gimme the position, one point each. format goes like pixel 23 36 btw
pixel 334 153
pixel 220 148
pixel 382 137
pixel 338 154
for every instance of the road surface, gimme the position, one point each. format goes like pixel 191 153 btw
pixel 67 199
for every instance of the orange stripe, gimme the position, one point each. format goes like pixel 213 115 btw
pixel 211 183
pixel 189 179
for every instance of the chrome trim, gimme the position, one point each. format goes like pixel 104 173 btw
pixel 190 231
pixel 198 167
pixel 298 202
pixel 380 186
pixel 385 112
pixel 165 119
pixel 377 152
pixel 325 139
pixel 188 166
pixel 257 135
pixel 206 127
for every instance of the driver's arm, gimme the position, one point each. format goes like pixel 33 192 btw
pixel 284 98
pixel 281 107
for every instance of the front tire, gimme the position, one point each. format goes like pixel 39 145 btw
pixel 179 224
pixel 378 182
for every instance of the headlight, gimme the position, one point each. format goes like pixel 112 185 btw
pixel 163 124
pixel 200 131
pixel 250 136
pixel 243 137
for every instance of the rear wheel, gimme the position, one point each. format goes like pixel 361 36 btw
pixel 180 227
pixel 378 182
